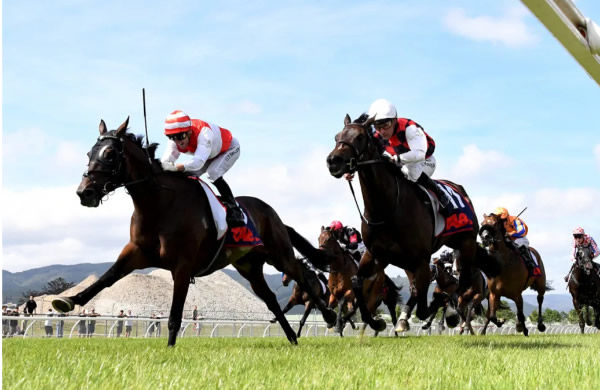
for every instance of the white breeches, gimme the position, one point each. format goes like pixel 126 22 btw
pixel 519 242
pixel 217 166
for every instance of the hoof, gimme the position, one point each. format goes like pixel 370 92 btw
pixel 403 326
pixel 330 317
pixel 379 325
pixel 63 304
pixel 541 327
pixel 525 331
pixel 274 320
pixel 452 320
pixel 426 326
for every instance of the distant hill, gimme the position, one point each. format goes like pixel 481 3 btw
pixel 14 284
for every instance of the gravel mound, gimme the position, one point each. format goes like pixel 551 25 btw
pixel 217 296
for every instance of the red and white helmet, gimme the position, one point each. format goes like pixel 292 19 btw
pixel 578 230
pixel 335 225
pixel 177 122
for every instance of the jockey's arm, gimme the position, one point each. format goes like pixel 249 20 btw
pixel 202 152
pixel 594 248
pixel 518 229
pixel 171 154
pixel 417 142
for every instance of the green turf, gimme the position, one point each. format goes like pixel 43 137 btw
pixel 432 362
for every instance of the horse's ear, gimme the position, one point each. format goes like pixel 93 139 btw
pixel 369 121
pixel 121 130
pixel 484 215
pixel 347 120
pixel 102 127
pixel 322 227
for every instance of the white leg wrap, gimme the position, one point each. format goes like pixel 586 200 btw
pixel 403 316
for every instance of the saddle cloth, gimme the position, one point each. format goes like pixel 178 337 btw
pixel 244 236
pixel 461 213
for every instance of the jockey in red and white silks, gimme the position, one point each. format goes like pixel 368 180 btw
pixel 580 239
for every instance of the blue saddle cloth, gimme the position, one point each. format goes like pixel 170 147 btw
pixel 461 213
pixel 243 236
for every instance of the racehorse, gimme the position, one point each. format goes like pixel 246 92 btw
pixel 377 289
pixel 444 294
pixel 398 220
pixel 341 269
pixel 172 228
pixel 299 297
pixel 513 277
pixel 584 286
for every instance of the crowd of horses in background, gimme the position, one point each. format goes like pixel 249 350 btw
pixel 172 228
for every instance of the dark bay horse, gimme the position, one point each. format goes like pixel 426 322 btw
pixel 172 228
pixel 584 286
pixel 398 222
pixel 514 276
pixel 377 289
pixel 300 297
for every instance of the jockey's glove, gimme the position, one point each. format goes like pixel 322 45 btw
pixel 393 158
pixel 168 166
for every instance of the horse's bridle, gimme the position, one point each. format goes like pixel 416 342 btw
pixel 113 170
pixel 354 164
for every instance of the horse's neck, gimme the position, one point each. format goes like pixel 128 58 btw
pixel 381 190
pixel 340 262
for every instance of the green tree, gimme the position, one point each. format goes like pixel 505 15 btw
pixel 550 316
pixel 56 286
pixel 504 311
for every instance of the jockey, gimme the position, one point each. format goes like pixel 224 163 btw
pixel 516 230
pixel 406 143
pixel 580 239
pixel 213 150
pixel 349 239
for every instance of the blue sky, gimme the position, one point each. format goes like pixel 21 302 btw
pixel 515 118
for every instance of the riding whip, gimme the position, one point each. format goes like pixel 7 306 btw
pixel 146 124
pixel 522 211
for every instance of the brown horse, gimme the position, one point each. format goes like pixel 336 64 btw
pixel 300 297
pixel 514 276
pixel 584 286
pixel 172 228
pixel 444 296
pixel 398 221
pixel 377 289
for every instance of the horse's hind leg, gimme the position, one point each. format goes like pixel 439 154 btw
pixel 307 309
pixel 520 316
pixel 130 258
pixel 291 303
pixel 251 268
pixel 540 323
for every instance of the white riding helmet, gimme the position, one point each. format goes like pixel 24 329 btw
pixel 382 109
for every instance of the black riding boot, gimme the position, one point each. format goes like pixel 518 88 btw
pixel 529 263
pixel 235 217
pixel 443 198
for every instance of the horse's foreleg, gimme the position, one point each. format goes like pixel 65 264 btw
pixel 291 303
pixel 422 277
pixel 251 269
pixel 367 268
pixel 579 311
pixel 309 283
pixel 392 309
pixel 403 324
pixel 540 323
pixel 130 258
pixel 181 283
pixel 339 321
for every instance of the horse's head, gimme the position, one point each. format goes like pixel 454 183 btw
pixel 352 145
pixel 327 240
pixel 285 279
pixel 492 229
pixel 583 259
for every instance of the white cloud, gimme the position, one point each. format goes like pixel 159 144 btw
pixel 474 162
pixel 510 30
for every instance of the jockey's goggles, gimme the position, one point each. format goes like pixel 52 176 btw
pixel 382 124
pixel 178 136
pixel 577 235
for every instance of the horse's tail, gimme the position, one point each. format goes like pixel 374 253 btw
pixel 488 264
pixel 316 256
pixel 393 289
pixel 547 287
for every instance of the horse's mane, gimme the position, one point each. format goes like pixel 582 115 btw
pixel 138 139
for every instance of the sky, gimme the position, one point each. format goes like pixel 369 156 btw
pixel 514 116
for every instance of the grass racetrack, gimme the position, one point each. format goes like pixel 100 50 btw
pixel 432 362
